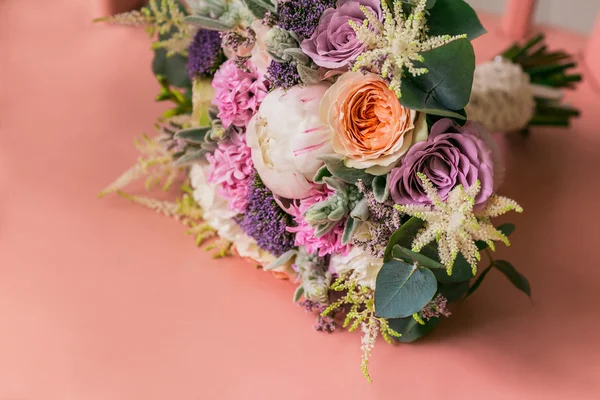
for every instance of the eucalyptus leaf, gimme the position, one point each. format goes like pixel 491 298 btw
pixel 193 135
pixel 403 289
pixel 461 271
pixel 516 278
pixel 405 254
pixel 338 169
pixel 207 23
pixel 381 188
pixel 404 236
pixel 453 291
pixel 410 329
pixel 446 88
pixel 454 17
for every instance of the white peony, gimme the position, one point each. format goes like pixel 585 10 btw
pixel 286 137
pixel 363 267
pixel 218 215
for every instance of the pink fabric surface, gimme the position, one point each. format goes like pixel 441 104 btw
pixel 104 300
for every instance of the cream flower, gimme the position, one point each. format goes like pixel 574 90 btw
pixel 371 129
pixel 361 265
pixel 286 137
pixel 217 214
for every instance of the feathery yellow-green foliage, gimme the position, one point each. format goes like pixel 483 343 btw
pixel 362 313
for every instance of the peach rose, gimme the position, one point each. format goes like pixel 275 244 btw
pixel 371 129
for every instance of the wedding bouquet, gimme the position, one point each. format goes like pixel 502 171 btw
pixel 327 141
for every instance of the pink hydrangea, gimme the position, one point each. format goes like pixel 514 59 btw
pixel 330 243
pixel 231 167
pixel 238 93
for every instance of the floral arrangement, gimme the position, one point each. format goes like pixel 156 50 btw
pixel 327 142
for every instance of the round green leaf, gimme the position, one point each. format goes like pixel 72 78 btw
pixel 403 289
pixel 410 329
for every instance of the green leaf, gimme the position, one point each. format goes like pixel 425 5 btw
pixel 404 236
pixel 259 7
pixel 173 68
pixel 308 75
pixel 402 289
pixel 410 329
pixel 446 88
pixel 453 291
pixel 516 278
pixel 190 157
pixel 506 229
pixel 323 172
pixel 454 17
pixel 207 23
pixel 405 254
pixel 338 169
pixel 381 188
pixel 361 210
pixel 477 282
pixel 298 293
pixel 461 271
pixel 193 135
pixel 349 229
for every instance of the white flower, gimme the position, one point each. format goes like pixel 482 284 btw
pixel 286 137
pixel 363 267
pixel 260 58
pixel 217 214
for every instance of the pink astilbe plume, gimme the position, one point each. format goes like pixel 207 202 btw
pixel 231 167
pixel 331 242
pixel 238 93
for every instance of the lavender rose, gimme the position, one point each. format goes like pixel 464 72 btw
pixel 451 156
pixel 334 44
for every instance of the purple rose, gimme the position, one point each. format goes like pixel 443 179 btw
pixel 334 44
pixel 452 155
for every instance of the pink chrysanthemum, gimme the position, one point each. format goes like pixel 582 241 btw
pixel 238 93
pixel 231 167
pixel 331 242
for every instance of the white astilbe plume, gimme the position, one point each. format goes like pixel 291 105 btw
pixel 397 42
pixel 370 330
pixel 455 225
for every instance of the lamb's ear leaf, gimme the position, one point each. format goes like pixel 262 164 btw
pixel 323 172
pixel 338 169
pixel 349 230
pixel 381 188
pixel 207 23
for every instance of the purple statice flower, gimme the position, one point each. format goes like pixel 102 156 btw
pixel 438 307
pixel 324 324
pixel 205 54
pixel 302 16
pixel 265 221
pixel 283 75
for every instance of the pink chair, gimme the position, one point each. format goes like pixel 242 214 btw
pixel 592 53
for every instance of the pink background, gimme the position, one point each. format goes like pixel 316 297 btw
pixel 101 299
